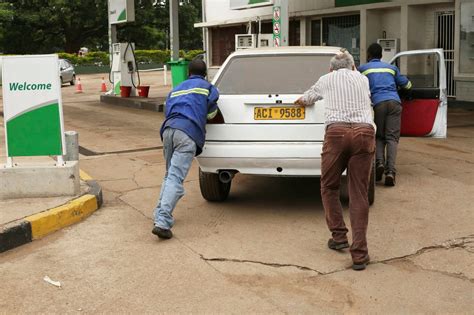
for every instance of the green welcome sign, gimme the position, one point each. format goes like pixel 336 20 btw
pixel 32 106
pixel 246 4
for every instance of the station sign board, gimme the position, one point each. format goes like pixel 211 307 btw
pixel 121 11
pixel 32 106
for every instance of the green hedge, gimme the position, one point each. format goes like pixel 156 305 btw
pixel 100 58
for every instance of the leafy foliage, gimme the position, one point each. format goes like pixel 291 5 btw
pixel 99 58
pixel 38 26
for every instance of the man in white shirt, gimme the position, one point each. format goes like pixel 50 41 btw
pixel 349 143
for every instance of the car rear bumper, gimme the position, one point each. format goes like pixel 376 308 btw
pixel 263 158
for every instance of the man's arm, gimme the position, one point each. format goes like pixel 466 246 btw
pixel 402 81
pixel 310 96
pixel 212 103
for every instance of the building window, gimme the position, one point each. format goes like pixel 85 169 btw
pixel 316 32
pixel 294 33
pixel 466 43
pixel 343 31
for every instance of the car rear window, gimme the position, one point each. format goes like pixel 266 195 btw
pixel 281 74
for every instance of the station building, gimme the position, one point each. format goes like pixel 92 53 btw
pixel 409 24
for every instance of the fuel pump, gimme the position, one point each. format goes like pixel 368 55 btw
pixel 124 71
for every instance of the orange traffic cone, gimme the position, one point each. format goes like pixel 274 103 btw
pixel 78 86
pixel 103 86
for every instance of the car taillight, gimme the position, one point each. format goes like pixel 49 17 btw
pixel 219 119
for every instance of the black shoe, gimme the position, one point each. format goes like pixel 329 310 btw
pixel 332 244
pixel 162 233
pixel 361 265
pixel 390 179
pixel 379 170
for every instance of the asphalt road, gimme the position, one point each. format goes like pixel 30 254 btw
pixel 262 251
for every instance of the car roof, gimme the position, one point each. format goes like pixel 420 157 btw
pixel 288 50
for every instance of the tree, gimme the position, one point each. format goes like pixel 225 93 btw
pixel 152 25
pixel 6 17
pixel 40 26
pixel 59 25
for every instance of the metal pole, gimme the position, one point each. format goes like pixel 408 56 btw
pixel 112 34
pixel 165 75
pixel 174 30
pixel 204 32
pixel 72 146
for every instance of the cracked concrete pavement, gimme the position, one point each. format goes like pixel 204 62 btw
pixel 262 251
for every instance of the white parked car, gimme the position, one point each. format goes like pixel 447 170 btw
pixel 260 131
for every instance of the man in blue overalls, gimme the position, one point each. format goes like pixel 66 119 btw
pixel 188 107
pixel 384 80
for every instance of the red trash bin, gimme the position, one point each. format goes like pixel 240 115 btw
pixel 125 91
pixel 143 90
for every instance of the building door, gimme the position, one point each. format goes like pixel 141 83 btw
pixel 445 39
pixel 343 31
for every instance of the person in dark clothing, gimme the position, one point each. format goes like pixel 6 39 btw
pixel 384 80
pixel 188 107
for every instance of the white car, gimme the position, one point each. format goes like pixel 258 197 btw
pixel 260 131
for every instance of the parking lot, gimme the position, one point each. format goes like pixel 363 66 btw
pixel 264 249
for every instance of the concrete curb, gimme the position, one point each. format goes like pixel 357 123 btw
pixel 41 224
pixel 152 104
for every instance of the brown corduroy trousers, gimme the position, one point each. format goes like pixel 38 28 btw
pixel 348 146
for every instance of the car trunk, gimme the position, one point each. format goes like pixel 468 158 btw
pixel 257 96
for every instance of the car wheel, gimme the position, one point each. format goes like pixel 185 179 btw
pixel 61 80
pixel 371 190
pixel 212 189
pixel 73 81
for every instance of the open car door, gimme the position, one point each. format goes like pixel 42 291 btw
pixel 425 107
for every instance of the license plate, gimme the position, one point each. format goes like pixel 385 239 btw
pixel 279 113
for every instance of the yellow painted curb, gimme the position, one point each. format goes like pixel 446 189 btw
pixel 54 219
pixel 84 176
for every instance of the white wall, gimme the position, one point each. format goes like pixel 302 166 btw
pixel 219 10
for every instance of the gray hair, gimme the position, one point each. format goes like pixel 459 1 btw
pixel 342 60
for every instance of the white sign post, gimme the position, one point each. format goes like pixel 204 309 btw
pixel 280 23
pixel 32 107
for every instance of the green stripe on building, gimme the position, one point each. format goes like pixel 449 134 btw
pixel 344 3
pixel 35 133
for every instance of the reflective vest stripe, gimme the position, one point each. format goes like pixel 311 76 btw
pixel 212 115
pixel 408 86
pixel 190 91
pixel 379 70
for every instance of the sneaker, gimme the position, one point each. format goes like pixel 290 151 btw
pixel 379 170
pixel 390 179
pixel 162 233
pixel 332 244
pixel 361 265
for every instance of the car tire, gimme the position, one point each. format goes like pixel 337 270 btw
pixel 371 190
pixel 73 81
pixel 61 81
pixel 212 189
